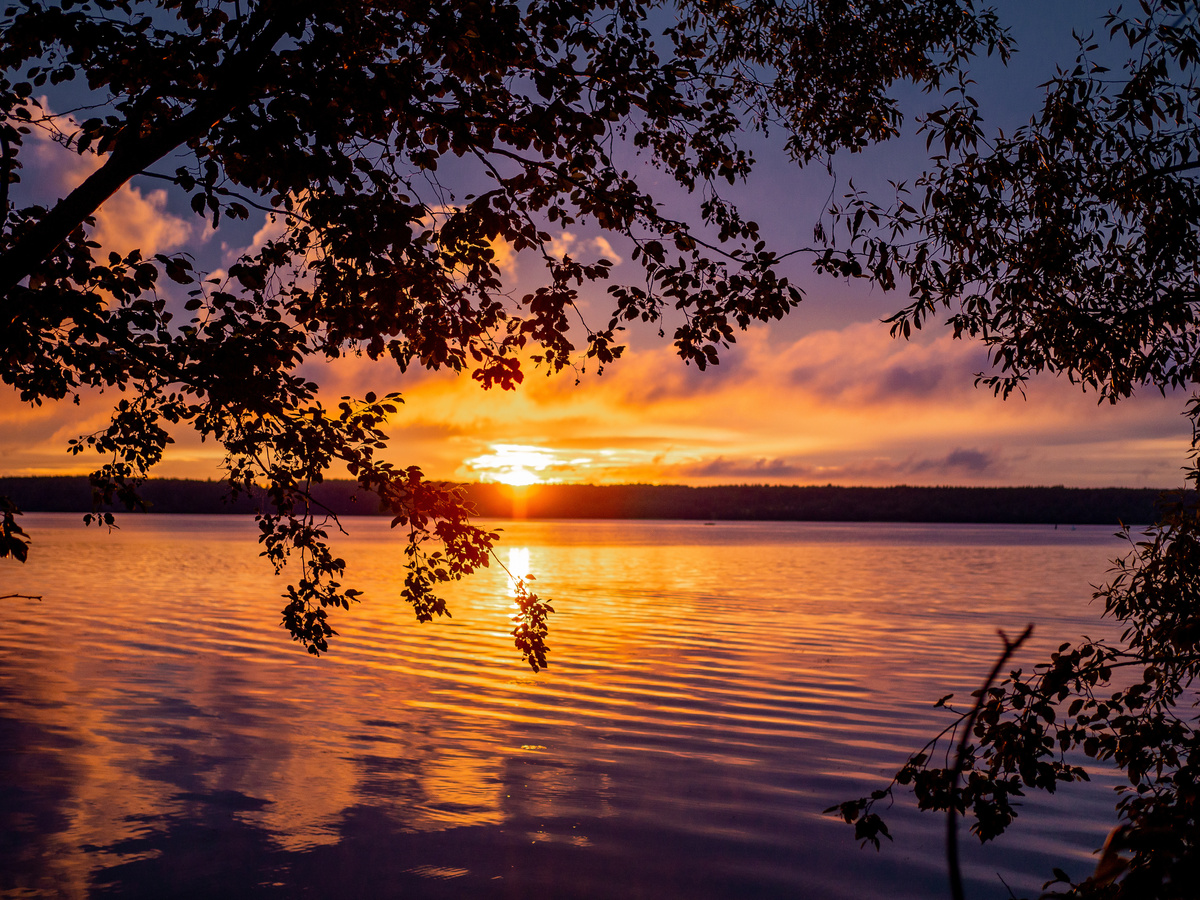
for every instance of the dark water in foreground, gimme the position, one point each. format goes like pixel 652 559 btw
pixel 712 689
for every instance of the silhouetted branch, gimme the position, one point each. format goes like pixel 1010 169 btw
pixel 6 162
pixel 19 597
pixel 1168 170
pixel 225 192
pixel 133 151
pixel 1010 647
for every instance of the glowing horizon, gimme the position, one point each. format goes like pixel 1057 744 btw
pixel 822 397
pixel 516 465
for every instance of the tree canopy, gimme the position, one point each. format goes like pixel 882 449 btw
pixel 338 119
pixel 1067 246
pixel 1072 246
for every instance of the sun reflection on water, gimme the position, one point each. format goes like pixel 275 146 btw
pixel 518 567
pixel 712 690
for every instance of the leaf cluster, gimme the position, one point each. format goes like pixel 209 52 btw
pixel 1128 704
pixel 1071 245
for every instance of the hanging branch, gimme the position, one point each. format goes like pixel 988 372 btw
pixel 6 164
pixel 1010 647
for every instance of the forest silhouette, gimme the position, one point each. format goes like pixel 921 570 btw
pixel 749 502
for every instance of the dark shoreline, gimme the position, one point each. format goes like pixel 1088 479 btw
pixel 997 505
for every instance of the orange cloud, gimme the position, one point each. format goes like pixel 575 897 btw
pixel 850 406
pixel 131 218
pixel 847 405
pixel 567 243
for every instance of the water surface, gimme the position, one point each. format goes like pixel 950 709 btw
pixel 711 690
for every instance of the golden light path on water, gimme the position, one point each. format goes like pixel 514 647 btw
pixel 712 689
pixel 518 567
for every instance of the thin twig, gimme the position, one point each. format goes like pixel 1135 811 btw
pixel 6 163
pixel 226 192
pixel 19 597
pixel 1166 170
pixel 1010 647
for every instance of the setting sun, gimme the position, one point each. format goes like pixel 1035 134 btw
pixel 513 464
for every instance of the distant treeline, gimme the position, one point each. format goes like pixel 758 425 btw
pixel 1034 505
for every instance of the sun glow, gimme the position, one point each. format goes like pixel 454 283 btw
pixel 513 464
pixel 518 567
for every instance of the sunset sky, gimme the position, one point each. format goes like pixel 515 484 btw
pixel 824 397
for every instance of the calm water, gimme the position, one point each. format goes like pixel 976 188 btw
pixel 712 689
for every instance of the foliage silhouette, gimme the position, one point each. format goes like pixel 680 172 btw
pixel 1073 246
pixel 1070 246
pixel 336 119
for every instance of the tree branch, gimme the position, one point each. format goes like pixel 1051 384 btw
pixel 1010 647
pixel 134 151
pixel 128 158
pixel 6 163
pixel 1168 170
pixel 225 192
